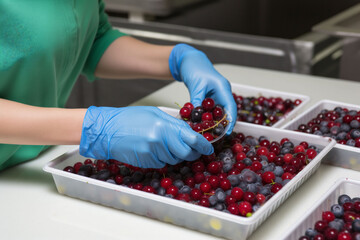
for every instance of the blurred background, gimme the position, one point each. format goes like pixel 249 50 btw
pixel 314 37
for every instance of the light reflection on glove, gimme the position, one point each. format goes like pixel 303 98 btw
pixel 144 137
pixel 192 67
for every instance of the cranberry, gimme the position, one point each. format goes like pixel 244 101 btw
pixel 233 208
pixel 245 208
pixel 328 216
pixel 237 193
pixel 166 183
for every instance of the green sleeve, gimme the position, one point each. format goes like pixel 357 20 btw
pixel 104 37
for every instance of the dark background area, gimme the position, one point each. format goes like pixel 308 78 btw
pixel 273 18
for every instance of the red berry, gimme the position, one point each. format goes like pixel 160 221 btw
pixel 77 166
pixel 214 181
pixel 218 113
pixel 185 113
pixel 208 104
pixel 311 153
pixel 276 187
pixel 166 182
pixel 328 216
pixel 208 136
pixel 320 226
pixel 237 193
pixel 172 190
pixel 262 151
pixel 240 156
pixel 249 197
pixel 233 208
pixel 260 198
pixel 69 169
pixel 198 167
pixel 205 187
pixel 204 202
pixel 214 167
pixel 268 177
pixel 207 117
pixel 196 194
pixel 237 148
pixel 245 208
pixel 225 184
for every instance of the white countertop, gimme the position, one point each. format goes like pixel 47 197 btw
pixel 31 207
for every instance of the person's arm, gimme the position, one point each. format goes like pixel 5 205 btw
pixel 128 57
pixel 29 125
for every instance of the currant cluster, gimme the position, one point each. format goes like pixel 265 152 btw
pixel 340 222
pixel 238 178
pixel 208 119
pixel 341 124
pixel 262 110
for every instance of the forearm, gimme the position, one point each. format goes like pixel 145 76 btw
pixel 25 124
pixel 128 57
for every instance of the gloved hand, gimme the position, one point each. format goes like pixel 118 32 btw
pixel 144 137
pixel 192 67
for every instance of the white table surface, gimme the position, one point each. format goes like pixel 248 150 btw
pixel 31 207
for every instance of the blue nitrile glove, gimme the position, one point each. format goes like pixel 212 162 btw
pixel 192 67
pixel 141 136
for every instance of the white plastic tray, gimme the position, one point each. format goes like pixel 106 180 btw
pixel 341 155
pixel 341 186
pixel 249 91
pixel 181 213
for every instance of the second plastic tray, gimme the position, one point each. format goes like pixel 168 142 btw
pixel 341 155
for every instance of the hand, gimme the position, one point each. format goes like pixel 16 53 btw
pixel 192 67
pixel 144 137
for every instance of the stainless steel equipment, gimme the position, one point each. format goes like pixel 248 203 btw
pixel 302 55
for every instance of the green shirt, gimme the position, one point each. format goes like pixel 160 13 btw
pixel 44 46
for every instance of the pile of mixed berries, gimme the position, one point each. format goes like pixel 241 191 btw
pixel 340 222
pixel 238 178
pixel 209 119
pixel 341 124
pixel 263 111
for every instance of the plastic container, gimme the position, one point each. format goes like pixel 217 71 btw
pixel 178 212
pixel 341 186
pixel 341 155
pixel 249 91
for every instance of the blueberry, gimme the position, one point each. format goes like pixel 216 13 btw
pixel 178 183
pixel 355 199
pixel 354 124
pixel 336 225
pixel 288 144
pixel 156 175
pixel 185 189
pixel 103 174
pixel 213 200
pixel 250 119
pixel 265 190
pixel 219 129
pixel 338 109
pixel 126 180
pixel 196 116
pixel 161 191
pixel 155 183
pixel 137 176
pixel 324 129
pixel 85 170
pixel 278 180
pixel 226 153
pixel 247 161
pixel 350 142
pixel 344 127
pixel 343 199
pixel 263 138
pixel 256 207
pixel 169 196
pixel 341 136
pixel 337 210
pixel 251 141
pixel 110 181
pixel 234 180
pixel 278 171
pixel 285 150
pixel 323 123
pixel 227 167
pixel 355 133
pixel 356 225
pixel 220 195
pixel 318 133
pixel 264 163
pixel 310 232
pixel 264 158
pixel 185 170
pixel 227 160
pixel 220 206
pixel 285 182
pixel 124 171
pixel 352 113
pixel 253 187
pixel 243 186
pixel 334 130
